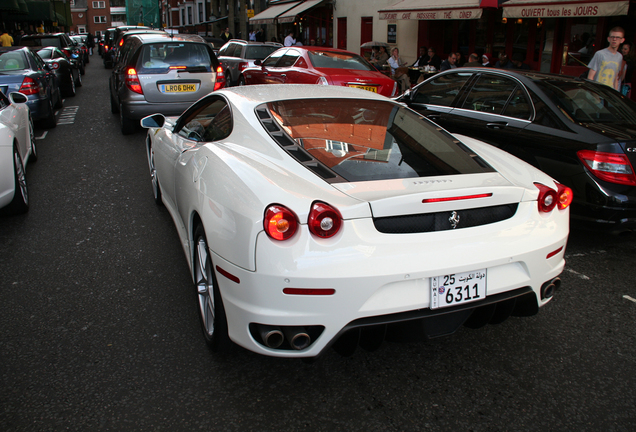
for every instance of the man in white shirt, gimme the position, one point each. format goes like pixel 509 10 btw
pixel 289 40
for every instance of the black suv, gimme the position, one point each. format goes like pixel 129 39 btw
pixel 238 54
pixel 58 40
pixel 110 44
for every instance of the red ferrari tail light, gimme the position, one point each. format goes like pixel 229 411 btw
pixel 564 197
pixel 280 223
pixel 55 65
pixel 547 198
pixel 132 81
pixel 220 78
pixel 324 220
pixel 29 87
pixel 610 167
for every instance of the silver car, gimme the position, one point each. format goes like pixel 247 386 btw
pixel 162 73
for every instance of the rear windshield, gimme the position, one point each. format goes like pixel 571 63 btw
pixel 161 57
pixel 330 59
pixel 363 140
pixel 12 60
pixel 43 41
pixel 259 52
pixel 587 102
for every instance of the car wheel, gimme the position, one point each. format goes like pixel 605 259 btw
pixel 114 107
pixel 211 310
pixel 241 81
pixel 34 149
pixel 20 202
pixel 156 188
pixel 126 124
pixel 50 121
pixel 71 90
pixel 60 101
pixel 82 68
pixel 78 81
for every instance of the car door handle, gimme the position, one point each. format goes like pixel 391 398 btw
pixel 283 75
pixel 434 116
pixel 497 125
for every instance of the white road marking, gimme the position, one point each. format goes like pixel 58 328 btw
pixel 68 115
pixel 629 298
pixel 582 276
pixel 42 136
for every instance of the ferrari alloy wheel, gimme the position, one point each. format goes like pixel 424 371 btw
pixel 156 189
pixel 20 202
pixel 211 311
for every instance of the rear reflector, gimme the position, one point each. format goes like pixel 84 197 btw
pixel 459 198
pixel 228 275
pixel 309 291
pixel 553 253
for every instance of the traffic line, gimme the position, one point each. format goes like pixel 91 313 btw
pixel 42 136
pixel 582 276
pixel 68 115
pixel 629 298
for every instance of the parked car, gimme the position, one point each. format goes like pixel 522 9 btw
pixel 107 42
pixel 80 42
pixel 67 70
pixel 17 147
pixel 111 47
pixel 59 40
pixel 237 54
pixel 581 133
pixel 22 70
pixel 318 65
pixel 317 216
pixel 116 51
pixel 161 73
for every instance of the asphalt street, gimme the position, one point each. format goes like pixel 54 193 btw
pixel 100 330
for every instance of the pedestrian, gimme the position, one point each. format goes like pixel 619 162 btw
pixel 90 43
pixel 605 66
pixel 449 63
pixel 290 40
pixel 252 36
pixel 5 39
pixel 627 70
pixel 226 35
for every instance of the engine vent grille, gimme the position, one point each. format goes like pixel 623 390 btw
pixel 440 221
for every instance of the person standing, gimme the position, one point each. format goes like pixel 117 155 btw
pixel 226 35
pixel 90 42
pixel 290 40
pixel 6 40
pixel 628 69
pixel 605 66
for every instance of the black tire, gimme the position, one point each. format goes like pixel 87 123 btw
pixel 127 125
pixel 34 149
pixel 209 301
pixel 20 202
pixel 241 81
pixel 82 68
pixel 50 121
pixel 60 102
pixel 71 89
pixel 78 81
pixel 154 180
pixel 114 106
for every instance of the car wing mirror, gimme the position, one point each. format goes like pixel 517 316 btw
pixel 258 62
pixel 17 98
pixel 153 121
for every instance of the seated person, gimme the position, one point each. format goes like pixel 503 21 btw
pixel 398 70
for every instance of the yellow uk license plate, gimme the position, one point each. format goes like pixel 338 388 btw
pixel 373 89
pixel 177 88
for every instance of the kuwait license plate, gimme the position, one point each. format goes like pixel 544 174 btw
pixel 458 288
pixel 177 88
pixel 373 89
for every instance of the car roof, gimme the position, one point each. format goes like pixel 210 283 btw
pixel 529 75
pixel 155 37
pixel 244 42
pixel 12 48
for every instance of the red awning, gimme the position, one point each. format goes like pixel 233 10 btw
pixel 563 8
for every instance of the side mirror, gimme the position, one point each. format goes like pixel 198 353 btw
pixel 153 121
pixel 17 98
pixel 258 62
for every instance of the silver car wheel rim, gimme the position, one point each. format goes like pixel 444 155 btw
pixel 32 135
pixel 153 174
pixel 205 286
pixel 21 177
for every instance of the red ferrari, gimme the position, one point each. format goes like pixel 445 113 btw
pixel 318 65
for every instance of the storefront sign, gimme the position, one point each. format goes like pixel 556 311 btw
pixel 539 9
pixel 391 35
pixel 438 14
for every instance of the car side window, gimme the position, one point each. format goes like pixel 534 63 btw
pixel 518 105
pixel 441 90
pixel 273 59
pixel 289 58
pixel 489 94
pixel 235 51
pixel 4 101
pixel 209 122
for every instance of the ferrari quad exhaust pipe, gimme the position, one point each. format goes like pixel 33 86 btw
pixel 271 336
pixel 297 337
pixel 549 288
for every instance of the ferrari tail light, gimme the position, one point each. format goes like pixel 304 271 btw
pixel 324 220
pixel 132 81
pixel 564 197
pixel 242 66
pixel 55 65
pixel 547 198
pixel 29 87
pixel 280 223
pixel 610 167
pixel 220 78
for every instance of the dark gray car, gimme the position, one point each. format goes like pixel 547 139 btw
pixel 162 73
pixel 238 54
